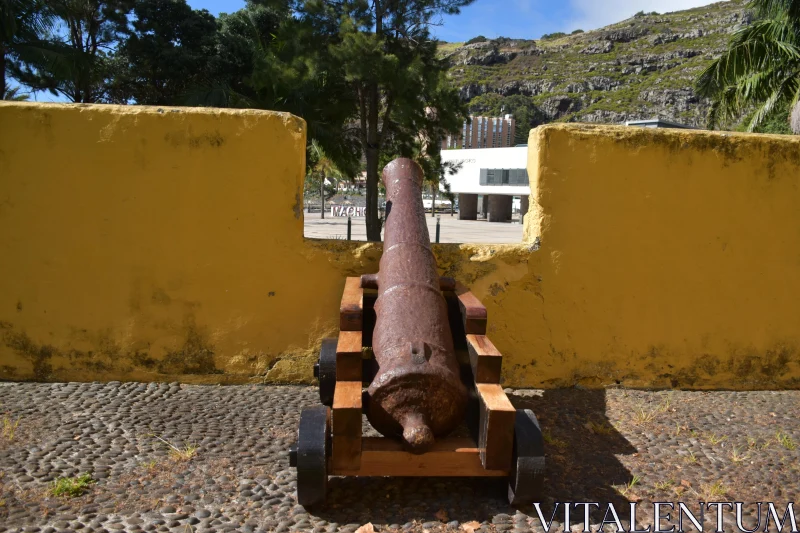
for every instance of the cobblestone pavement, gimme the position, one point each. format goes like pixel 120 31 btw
pixel 603 446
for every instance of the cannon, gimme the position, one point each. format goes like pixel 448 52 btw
pixel 412 354
pixel 417 391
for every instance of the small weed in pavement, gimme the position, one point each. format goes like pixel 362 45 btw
pixel 71 487
pixel 664 485
pixel 627 488
pixel 711 491
pixel 785 440
pixel 9 427
pixel 179 453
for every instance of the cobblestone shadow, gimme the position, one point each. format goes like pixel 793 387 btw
pixel 581 444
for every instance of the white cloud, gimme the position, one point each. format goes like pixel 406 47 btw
pixel 593 14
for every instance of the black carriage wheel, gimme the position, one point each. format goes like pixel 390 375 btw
pixel 326 372
pixel 313 446
pixel 526 478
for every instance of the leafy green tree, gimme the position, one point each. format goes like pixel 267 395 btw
pixel 424 144
pixel 760 69
pixel 167 53
pixel 388 58
pixel 322 169
pixel 86 32
pixel 249 41
pixel 436 176
pixel 24 28
pixel 267 59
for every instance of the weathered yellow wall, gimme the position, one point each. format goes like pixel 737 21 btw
pixel 141 243
pixel 668 258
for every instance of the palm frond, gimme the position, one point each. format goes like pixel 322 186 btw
pixel 774 8
pixel 778 95
pixel 760 70
pixel 752 49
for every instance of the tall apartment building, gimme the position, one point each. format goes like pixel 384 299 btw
pixel 483 132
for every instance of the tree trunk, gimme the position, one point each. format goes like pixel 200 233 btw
pixel 433 204
pixel 795 118
pixel 372 150
pixel 3 71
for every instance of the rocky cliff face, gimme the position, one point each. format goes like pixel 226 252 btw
pixel 640 68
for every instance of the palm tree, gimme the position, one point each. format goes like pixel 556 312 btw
pixel 322 168
pixel 795 122
pixel 760 69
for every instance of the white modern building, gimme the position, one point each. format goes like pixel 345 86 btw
pixel 497 175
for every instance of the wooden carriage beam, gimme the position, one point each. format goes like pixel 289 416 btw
pixel 351 310
pixel 496 427
pixel 473 312
pixel 346 425
pixel 452 457
pixel 485 359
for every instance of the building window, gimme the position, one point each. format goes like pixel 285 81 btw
pixel 504 176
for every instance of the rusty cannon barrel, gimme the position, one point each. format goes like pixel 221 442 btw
pixel 417 393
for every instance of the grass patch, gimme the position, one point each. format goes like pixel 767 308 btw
pixel 9 427
pixel 712 491
pixel 714 439
pixel 754 443
pixel 71 487
pixel 785 440
pixel 183 454
pixel 644 415
pixel 599 428
pixel 738 457
pixel 627 489
pixel 691 458
pixel 179 453
pixel 664 486
pixel 553 441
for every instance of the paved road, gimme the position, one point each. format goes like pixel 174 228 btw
pixel 603 446
pixel 452 229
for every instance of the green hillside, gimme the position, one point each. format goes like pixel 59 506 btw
pixel 639 68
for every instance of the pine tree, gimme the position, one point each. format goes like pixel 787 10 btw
pixel 385 52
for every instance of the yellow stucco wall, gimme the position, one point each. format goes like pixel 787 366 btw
pixel 668 258
pixel 143 243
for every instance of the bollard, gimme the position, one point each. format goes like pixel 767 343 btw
pixel 349 227
pixel 438 228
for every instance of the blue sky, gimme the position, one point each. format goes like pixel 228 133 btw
pixel 521 18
